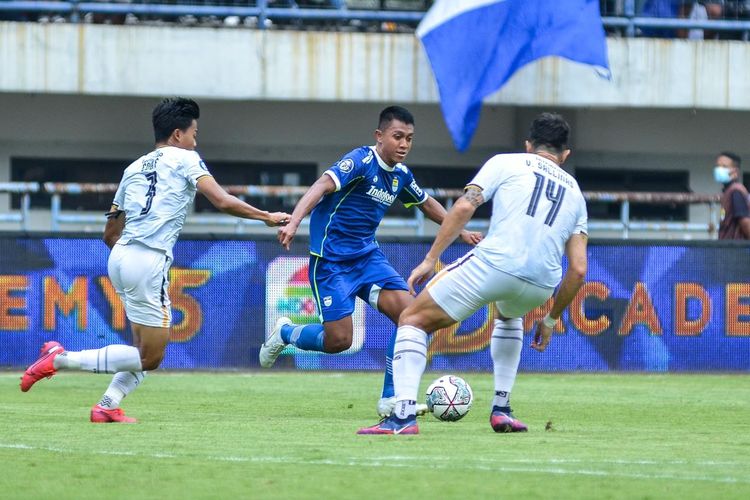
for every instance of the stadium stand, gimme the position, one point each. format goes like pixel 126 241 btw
pixel 721 19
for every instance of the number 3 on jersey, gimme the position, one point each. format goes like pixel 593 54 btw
pixel 554 195
pixel 151 177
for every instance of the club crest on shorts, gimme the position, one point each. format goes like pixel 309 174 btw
pixel 394 184
pixel 327 301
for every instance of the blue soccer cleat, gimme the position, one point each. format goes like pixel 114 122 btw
pixel 393 425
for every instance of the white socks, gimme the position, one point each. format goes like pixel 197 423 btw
pixel 123 383
pixel 409 362
pixel 110 359
pixel 506 343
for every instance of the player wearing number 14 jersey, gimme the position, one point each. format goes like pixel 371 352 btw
pixel 538 214
pixel 143 224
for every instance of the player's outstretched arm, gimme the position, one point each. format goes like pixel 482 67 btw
pixel 434 210
pixel 323 186
pixel 453 224
pixel 115 225
pixel 575 250
pixel 232 205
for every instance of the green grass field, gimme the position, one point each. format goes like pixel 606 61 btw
pixel 292 435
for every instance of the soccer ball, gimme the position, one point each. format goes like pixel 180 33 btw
pixel 449 398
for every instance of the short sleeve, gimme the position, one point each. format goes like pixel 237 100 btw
pixel 119 199
pixel 739 204
pixel 346 170
pixel 412 194
pixel 489 177
pixel 195 168
pixel 582 223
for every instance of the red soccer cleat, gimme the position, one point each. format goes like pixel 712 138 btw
pixel 101 415
pixel 44 365
pixel 504 421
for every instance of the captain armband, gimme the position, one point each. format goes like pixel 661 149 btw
pixel 113 214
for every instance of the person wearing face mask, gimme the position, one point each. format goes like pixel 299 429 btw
pixel 735 209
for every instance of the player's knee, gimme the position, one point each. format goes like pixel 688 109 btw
pixel 411 317
pixel 337 343
pixel 151 361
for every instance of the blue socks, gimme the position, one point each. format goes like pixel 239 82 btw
pixel 388 390
pixel 305 337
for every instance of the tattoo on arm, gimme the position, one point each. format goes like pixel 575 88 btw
pixel 474 196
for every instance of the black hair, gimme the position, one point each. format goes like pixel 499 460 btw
pixel 394 113
pixel 734 157
pixel 551 131
pixel 171 114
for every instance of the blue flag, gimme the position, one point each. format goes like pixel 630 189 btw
pixel 475 46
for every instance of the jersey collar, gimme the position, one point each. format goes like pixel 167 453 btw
pixel 383 164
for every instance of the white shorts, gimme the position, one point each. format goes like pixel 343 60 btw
pixel 469 283
pixel 140 275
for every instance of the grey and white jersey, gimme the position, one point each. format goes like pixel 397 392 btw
pixel 155 193
pixel 536 208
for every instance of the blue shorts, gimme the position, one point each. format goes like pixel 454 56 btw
pixel 337 284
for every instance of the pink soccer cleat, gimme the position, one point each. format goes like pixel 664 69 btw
pixel 44 365
pixel 101 415
pixel 502 420
pixel 393 425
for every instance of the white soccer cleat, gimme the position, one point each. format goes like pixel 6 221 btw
pixel 272 347
pixel 386 406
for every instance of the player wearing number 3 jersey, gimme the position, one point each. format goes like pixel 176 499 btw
pixel 538 214
pixel 146 217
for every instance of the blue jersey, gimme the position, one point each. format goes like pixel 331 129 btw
pixel 343 224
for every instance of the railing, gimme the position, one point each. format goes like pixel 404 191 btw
pixel 25 189
pixel 59 218
pixel 628 19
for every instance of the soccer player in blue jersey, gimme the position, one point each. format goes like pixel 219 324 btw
pixel 348 202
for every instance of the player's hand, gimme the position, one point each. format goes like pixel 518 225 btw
pixel 421 274
pixel 542 336
pixel 471 237
pixel 278 219
pixel 286 234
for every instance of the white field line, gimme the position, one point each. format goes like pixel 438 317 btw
pixel 410 462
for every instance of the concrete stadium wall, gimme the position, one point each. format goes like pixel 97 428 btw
pixel 350 67
pixel 72 91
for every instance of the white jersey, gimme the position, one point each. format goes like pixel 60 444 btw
pixel 155 193
pixel 537 206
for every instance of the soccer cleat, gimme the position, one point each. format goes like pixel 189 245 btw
pixel 392 425
pixel 101 415
pixel 386 405
pixel 272 347
pixel 502 420
pixel 43 367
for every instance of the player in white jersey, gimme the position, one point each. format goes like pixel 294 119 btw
pixel 143 224
pixel 538 215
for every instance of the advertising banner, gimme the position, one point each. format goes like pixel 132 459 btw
pixel 645 307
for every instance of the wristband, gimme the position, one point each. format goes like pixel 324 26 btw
pixel 549 321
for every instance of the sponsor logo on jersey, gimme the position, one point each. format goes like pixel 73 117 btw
pixel 375 179
pixel 202 165
pixel 417 190
pixel 381 195
pixel 394 184
pixel 327 301
pixel 367 159
pixel 346 165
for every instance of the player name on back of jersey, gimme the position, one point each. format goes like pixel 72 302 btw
pixel 381 195
pixel 551 170
pixel 149 162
